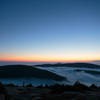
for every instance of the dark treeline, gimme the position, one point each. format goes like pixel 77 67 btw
pixel 80 65
pixel 77 91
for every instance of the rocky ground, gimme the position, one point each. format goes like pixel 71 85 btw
pixel 55 92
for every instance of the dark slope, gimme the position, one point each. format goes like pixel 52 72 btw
pixel 18 71
pixel 87 65
pixel 93 72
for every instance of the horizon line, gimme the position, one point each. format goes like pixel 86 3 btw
pixel 52 61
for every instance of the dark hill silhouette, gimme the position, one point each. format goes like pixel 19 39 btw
pixel 89 71
pixel 87 65
pixel 19 71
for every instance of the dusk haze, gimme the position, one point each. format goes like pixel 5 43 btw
pixel 49 49
pixel 49 30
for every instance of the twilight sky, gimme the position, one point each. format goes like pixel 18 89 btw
pixel 49 30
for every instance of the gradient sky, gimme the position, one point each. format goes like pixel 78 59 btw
pixel 49 30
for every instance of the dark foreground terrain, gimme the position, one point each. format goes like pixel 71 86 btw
pixel 25 71
pixel 55 92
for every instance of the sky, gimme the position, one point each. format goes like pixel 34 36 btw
pixel 49 30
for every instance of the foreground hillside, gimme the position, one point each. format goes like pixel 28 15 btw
pixel 77 91
pixel 21 71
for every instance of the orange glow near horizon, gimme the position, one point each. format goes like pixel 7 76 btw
pixel 45 59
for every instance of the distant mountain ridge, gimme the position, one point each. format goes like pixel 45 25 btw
pixel 20 71
pixel 88 65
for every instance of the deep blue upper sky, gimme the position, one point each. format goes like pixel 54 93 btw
pixel 64 29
